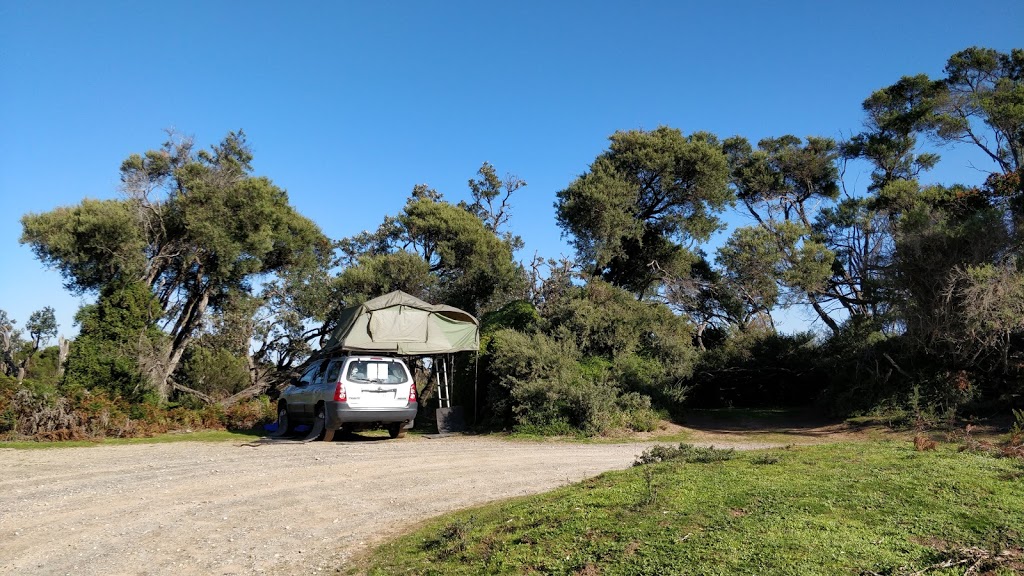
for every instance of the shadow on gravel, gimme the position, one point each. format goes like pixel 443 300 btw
pixel 301 438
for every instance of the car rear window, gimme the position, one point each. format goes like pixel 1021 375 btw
pixel 383 371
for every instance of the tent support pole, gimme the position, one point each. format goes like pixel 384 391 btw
pixel 476 382
pixel 440 390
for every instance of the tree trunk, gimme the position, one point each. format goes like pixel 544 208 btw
pixel 181 339
pixel 700 336
pixel 823 315
pixel 7 365
pixel 181 387
pixel 250 392
pixel 64 348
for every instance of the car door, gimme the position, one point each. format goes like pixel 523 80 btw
pixel 325 390
pixel 301 403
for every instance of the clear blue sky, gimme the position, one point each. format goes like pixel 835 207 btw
pixel 347 105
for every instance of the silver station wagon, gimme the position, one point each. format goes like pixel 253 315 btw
pixel 350 393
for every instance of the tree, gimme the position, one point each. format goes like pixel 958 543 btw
pixel 941 264
pixel 983 104
pixel 491 201
pixel 440 251
pixel 16 354
pixel 894 117
pixel 192 228
pixel 9 342
pixel 376 274
pixel 752 264
pixel 41 326
pixel 782 184
pixel 474 267
pixel 958 284
pixel 645 200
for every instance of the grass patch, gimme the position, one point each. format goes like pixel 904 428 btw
pixel 659 434
pixel 200 436
pixel 865 508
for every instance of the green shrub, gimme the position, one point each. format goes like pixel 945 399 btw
pixel 540 385
pixel 584 406
pixel 608 322
pixel 118 330
pixel 41 411
pixel 638 374
pixel 596 369
pixel 514 360
pixel 685 452
pixel 216 372
pixel 250 415
pixel 636 412
pixel 518 315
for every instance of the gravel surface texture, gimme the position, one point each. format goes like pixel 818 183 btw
pixel 265 507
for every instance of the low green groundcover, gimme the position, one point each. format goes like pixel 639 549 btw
pixel 860 509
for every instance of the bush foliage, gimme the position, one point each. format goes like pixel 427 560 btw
pixel 591 363
pixel 41 411
pixel 210 285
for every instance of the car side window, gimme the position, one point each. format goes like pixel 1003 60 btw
pixel 311 374
pixel 334 371
pixel 318 375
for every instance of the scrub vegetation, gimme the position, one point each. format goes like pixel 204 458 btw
pixel 210 290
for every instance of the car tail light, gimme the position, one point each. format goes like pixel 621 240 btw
pixel 412 392
pixel 340 395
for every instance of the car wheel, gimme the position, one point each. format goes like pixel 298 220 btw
pixel 284 427
pixel 396 430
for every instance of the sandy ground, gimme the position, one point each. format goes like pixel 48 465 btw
pixel 284 506
pixel 266 507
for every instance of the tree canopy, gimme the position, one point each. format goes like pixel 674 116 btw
pixel 209 283
pixel 192 227
pixel 645 200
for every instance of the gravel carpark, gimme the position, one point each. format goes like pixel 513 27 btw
pixel 262 507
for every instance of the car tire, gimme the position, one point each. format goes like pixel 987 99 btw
pixel 396 430
pixel 284 426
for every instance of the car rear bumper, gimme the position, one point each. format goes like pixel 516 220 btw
pixel 339 413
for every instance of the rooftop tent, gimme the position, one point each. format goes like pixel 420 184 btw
pixel 398 323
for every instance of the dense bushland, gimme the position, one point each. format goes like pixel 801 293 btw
pixel 211 289
pixel 46 412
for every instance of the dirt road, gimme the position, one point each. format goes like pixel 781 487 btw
pixel 270 507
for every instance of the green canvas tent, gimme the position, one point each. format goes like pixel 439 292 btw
pixel 397 323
